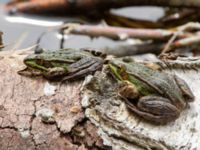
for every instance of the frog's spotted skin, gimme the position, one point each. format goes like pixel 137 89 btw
pixel 67 64
pixel 161 96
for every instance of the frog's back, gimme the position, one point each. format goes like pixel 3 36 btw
pixel 162 83
pixel 61 55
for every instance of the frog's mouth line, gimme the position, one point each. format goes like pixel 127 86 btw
pixel 114 71
pixel 44 65
pixel 32 64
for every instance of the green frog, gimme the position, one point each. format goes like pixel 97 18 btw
pixel 153 95
pixel 65 64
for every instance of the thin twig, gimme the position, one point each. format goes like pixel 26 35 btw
pixel 186 41
pixel 167 47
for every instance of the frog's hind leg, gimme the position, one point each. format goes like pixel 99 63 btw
pixel 154 109
pixel 85 71
pixel 82 64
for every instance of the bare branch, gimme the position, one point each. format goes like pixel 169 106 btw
pixel 118 33
pixel 78 6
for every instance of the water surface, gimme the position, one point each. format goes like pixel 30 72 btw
pixel 22 31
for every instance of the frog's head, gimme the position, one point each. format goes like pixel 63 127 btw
pixel 118 69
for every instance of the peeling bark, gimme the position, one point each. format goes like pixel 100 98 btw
pixel 122 129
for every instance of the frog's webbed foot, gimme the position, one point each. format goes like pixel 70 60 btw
pixel 187 93
pixel 154 109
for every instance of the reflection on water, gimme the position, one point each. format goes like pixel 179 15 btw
pixel 32 21
pixel 26 29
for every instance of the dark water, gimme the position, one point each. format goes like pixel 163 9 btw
pixel 22 31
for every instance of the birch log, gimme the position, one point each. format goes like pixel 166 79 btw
pixel 122 129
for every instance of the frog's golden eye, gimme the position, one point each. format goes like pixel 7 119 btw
pixel 41 62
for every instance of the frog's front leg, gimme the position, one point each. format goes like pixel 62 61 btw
pixel 155 109
pixel 128 90
pixel 186 91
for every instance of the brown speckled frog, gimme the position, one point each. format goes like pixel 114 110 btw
pixel 153 95
pixel 65 64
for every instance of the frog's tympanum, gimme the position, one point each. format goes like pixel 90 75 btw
pixel 62 64
pixel 153 95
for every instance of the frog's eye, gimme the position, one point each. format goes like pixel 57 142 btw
pixel 43 63
pixel 39 61
pixel 124 75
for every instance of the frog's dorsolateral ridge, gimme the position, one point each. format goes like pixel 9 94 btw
pixel 155 96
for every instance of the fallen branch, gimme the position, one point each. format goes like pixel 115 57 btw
pixel 122 21
pixel 117 33
pixel 179 15
pixel 181 36
pixel 38 6
pixel 186 42
pixel 172 44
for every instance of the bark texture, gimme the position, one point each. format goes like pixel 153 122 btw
pixel 122 129
pixel 35 115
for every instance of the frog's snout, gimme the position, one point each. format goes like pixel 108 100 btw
pixel 189 98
